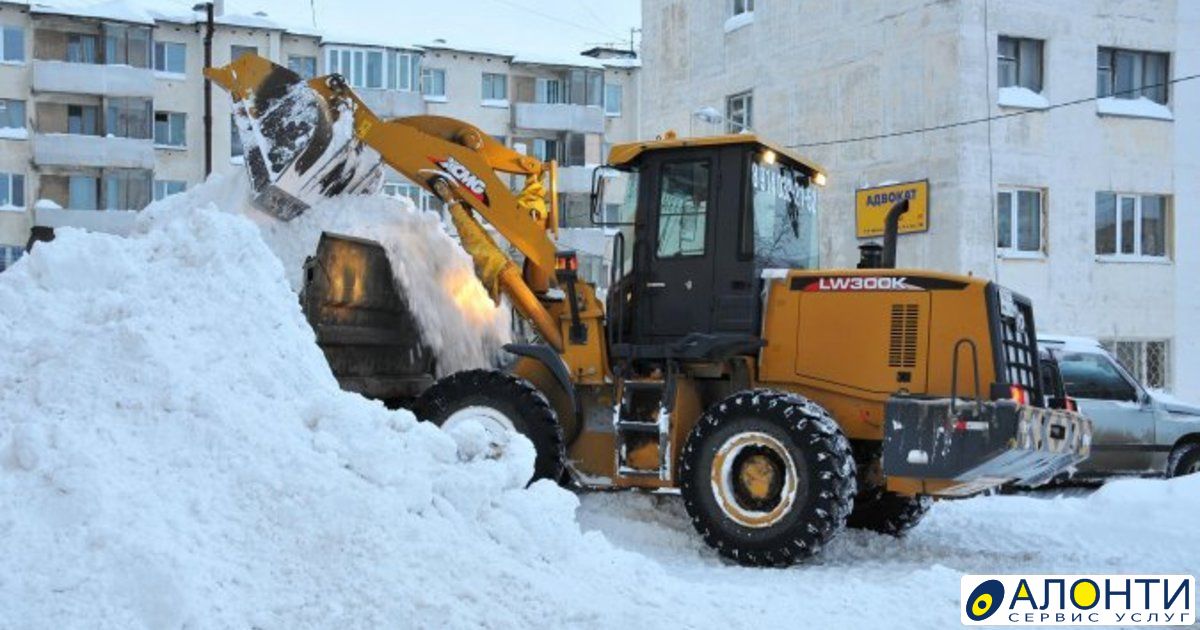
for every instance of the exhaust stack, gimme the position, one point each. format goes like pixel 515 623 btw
pixel 891 225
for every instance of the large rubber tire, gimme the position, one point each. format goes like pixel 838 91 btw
pixel 877 509
pixel 801 521
pixel 525 408
pixel 1184 460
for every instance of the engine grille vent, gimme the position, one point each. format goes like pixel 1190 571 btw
pixel 902 352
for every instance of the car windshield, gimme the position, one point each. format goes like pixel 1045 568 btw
pixel 785 216
pixel 1095 376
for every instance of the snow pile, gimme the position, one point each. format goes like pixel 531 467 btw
pixel 459 322
pixel 175 452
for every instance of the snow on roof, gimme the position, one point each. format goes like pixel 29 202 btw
pixel 116 10
pixel 552 59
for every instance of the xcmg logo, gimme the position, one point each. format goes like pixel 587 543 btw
pixel 1078 600
pixel 463 176
pixel 861 283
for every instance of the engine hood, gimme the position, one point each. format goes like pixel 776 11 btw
pixel 1176 406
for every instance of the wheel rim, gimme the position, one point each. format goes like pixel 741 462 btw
pixel 754 479
pixel 493 420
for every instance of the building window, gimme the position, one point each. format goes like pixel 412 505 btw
pixel 235 138
pixel 1131 225
pixel 303 65
pixel 127 190
pixel 1132 74
pixel 421 199
pixel 9 255
pixel 585 87
pixel 83 193
pixel 170 57
pixel 83 120
pixel 81 48
pixel 12 114
pixel 545 149
pixel 1019 220
pixel 12 191
pixel 403 71
pixel 128 118
pixel 743 6
pixel 127 45
pixel 169 129
pixel 237 52
pixel 548 91
pixel 12 44
pixel 164 188
pixel 1019 63
pixel 612 99
pixel 576 150
pixel 362 68
pixel 433 82
pixel 1148 361
pixel 495 87
pixel 738 112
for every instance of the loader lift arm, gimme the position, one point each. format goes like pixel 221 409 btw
pixel 449 158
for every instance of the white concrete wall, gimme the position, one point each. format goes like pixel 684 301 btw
pixel 826 70
pixel 1186 97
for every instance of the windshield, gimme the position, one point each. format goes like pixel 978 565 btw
pixel 785 217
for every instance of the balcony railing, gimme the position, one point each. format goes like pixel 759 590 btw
pixel 89 78
pixel 393 103
pixel 60 149
pixel 110 221
pixel 558 117
pixel 575 179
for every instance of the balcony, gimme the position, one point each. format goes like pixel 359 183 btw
pixel 558 117
pixel 90 78
pixel 575 179
pixel 60 149
pixel 118 222
pixel 393 103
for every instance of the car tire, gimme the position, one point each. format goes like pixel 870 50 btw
pixel 767 478
pixel 1184 460
pixel 502 400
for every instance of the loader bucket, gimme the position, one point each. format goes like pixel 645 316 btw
pixel 298 143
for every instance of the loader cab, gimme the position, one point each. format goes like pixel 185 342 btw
pixel 705 219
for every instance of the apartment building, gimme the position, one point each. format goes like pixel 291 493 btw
pixel 102 110
pixel 1090 209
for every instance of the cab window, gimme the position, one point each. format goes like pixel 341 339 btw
pixel 683 208
pixel 1094 376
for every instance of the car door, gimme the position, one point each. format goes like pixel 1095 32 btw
pixel 680 260
pixel 1123 424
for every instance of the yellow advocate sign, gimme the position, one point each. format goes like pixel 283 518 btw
pixel 872 204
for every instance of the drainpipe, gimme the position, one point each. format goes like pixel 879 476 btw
pixel 207 7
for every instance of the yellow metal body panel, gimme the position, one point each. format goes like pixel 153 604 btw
pixel 840 347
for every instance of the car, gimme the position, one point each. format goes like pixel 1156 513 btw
pixel 1136 431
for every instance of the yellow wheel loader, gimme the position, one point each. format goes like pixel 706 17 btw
pixel 783 401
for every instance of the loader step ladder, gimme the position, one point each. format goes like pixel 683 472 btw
pixel 642 426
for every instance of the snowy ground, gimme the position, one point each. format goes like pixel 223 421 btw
pixel 869 580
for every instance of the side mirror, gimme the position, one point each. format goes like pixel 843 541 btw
pixel 600 175
pixel 597 193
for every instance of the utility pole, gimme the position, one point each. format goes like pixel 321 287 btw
pixel 207 7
